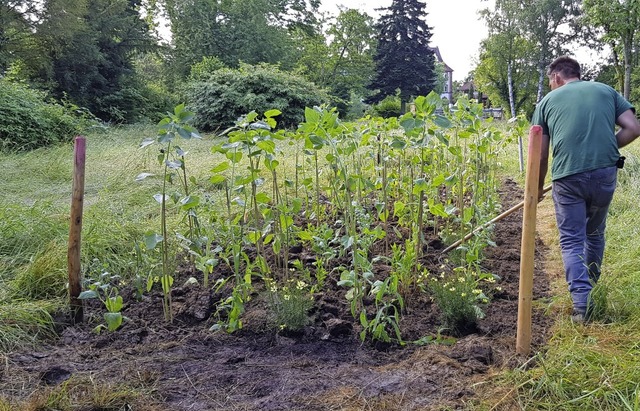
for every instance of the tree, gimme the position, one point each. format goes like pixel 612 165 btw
pixel 505 72
pixel 404 61
pixel 352 45
pixel 505 34
pixel 619 21
pixel 236 31
pixel 541 21
pixel 228 94
pixel 90 47
pixel 15 30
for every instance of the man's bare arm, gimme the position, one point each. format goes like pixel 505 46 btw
pixel 629 128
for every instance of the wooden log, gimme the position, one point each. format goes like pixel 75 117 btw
pixel 75 230
pixel 528 244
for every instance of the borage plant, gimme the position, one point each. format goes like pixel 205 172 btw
pixel 289 304
pixel 459 298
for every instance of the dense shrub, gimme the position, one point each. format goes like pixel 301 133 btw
pixel 389 107
pixel 136 104
pixel 228 94
pixel 28 121
pixel 202 70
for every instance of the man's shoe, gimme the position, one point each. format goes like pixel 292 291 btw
pixel 578 318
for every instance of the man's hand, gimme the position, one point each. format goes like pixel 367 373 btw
pixel 541 193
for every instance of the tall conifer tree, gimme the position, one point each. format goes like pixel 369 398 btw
pixel 404 60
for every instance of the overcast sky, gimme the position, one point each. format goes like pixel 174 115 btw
pixel 455 27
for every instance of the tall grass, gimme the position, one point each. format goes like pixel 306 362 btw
pixel 25 323
pixel 34 218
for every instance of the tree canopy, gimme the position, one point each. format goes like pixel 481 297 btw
pixel 105 55
pixel 405 62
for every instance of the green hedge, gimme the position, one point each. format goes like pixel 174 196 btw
pixel 28 121
pixel 228 94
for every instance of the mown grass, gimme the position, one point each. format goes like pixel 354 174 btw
pixel 85 393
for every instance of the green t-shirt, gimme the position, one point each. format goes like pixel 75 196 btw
pixel 580 117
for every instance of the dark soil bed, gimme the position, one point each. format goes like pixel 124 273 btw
pixel 185 366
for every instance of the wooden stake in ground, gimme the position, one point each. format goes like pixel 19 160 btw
pixel 75 229
pixel 528 245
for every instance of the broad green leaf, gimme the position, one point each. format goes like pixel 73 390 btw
pixel 114 304
pixel 437 180
pixel 363 318
pixel 229 146
pixel 262 198
pixel 151 240
pixel 113 320
pixel 272 113
pixel 142 176
pixel 314 141
pixel 347 241
pixel 234 156
pixel 238 201
pixel 437 209
pixel 166 137
pixel 184 133
pixel 174 164
pixel 443 138
pixel 260 125
pixel 254 236
pixel 311 116
pixel 420 185
pixel 88 294
pixel 251 116
pixel 271 163
pixel 296 205
pixel 398 144
pixel 189 202
pixel 221 167
pixel 467 214
pixel 410 124
pixel 217 179
pixel 147 142
pixel 177 110
pixel 442 121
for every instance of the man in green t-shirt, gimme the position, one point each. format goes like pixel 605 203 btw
pixel 578 120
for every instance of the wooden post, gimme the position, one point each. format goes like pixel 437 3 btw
pixel 75 229
pixel 528 245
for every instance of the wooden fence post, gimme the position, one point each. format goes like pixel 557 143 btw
pixel 528 245
pixel 75 230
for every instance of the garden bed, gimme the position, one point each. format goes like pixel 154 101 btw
pixel 186 366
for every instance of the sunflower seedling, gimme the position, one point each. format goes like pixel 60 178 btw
pixel 108 295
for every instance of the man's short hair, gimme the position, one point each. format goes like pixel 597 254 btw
pixel 566 66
